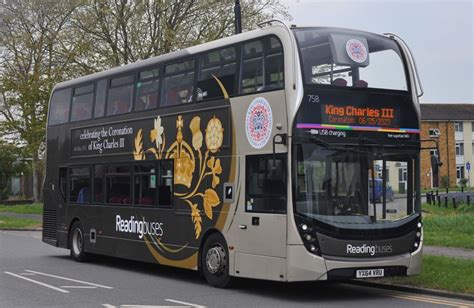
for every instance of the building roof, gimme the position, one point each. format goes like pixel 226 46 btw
pixel 448 112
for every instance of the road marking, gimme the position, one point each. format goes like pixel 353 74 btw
pixel 183 303
pixel 69 279
pixel 151 306
pixel 38 282
pixel 78 287
pixel 419 298
pixel 108 306
pixel 430 300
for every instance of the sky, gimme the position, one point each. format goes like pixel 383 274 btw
pixel 440 35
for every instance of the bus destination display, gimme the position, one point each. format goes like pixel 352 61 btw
pixel 359 116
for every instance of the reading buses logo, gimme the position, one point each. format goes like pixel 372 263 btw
pixel 259 122
pixel 140 227
pixel 356 51
pixel 366 249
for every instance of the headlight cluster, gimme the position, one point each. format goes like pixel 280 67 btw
pixel 309 238
pixel 418 233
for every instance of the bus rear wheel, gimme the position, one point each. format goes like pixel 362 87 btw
pixel 215 261
pixel 76 242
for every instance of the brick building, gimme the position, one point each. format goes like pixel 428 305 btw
pixel 452 125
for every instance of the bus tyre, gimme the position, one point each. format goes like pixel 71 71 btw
pixel 76 242
pixel 215 261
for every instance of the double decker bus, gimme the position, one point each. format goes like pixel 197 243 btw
pixel 282 153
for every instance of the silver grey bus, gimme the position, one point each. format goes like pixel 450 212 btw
pixel 286 154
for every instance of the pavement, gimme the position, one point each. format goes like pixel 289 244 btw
pixel 38 217
pixel 33 274
pixel 461 253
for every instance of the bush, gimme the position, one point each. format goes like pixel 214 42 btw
pixel 10 166
pixel 463 182
pixel 445 181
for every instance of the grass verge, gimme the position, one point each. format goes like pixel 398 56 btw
pixel 448 226
pixel 442 273
pixel 18 223
pixel 35 208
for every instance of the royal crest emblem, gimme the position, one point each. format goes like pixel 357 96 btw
pixel 259 122
pixel 356 50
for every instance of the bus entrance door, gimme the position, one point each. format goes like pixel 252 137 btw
pixel 260 225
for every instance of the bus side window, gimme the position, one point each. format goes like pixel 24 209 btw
pixel 98 189
pixel 59 109
pixel 165 183
pixel 220 64
pixel 266 183
pixel 252 67
pixel 145 185
pixel 117 185
pixel 82 103
pixel 178 83
pixel 273 64
pixel 63 182
pixel 101 94
pixel 120 95
pixel 147 90
pixel 79 185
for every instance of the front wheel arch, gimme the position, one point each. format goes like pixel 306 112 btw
pixel 201 246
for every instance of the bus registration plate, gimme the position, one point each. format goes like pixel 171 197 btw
pixel 367 273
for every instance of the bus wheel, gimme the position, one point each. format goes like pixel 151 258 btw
pixel 76 242
pixel 215 261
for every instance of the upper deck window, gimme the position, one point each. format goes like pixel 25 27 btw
pixel 100 98
pixel 147 90
pixel 120 95
pixel 217 66
pixel 178 83
pixel 346 58
pixel 59 108
pixel 262 65
pixel 82 103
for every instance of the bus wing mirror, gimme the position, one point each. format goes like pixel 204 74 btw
pixel 277 139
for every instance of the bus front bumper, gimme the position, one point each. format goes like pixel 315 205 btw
pixel 304 266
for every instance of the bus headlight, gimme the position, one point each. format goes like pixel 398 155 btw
pixel 418 233
pixel 309 236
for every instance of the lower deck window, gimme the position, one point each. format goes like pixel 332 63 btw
pixel 145 185
pixel 117 185
pixel 79 185
pixel 153 184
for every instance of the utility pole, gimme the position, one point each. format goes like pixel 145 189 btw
pixel 238 17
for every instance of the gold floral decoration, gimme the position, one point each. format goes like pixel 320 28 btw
pixel 195 127
pixel 216 169
pixel 138 149
pixel 157 132
pixel 196 218
pixel 183 168
pixel 197 195
pixel 211 199
pixel 214 135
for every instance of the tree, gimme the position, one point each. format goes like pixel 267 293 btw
pixel 10 166
pixel 123 31
pixel 43 42
pixel 37 51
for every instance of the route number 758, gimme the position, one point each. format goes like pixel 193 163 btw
pixel 313 98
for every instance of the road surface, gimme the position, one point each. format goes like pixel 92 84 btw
pixel 33 274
